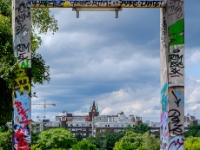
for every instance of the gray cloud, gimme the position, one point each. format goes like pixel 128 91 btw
pixel 115 62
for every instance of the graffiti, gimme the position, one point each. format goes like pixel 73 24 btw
pixel 174 126
pixel 177 100
pixel 164 118
pixel 22 34
pixel 176 31
pixel 176 60
pixel 20 141
pixel 176 143
pixel 22 120
pixel 164 130
pixel 164 32
pixel 176 7
pixel 74 3
pixel 22 82
pixel 164 97
pixel 21 111
pixel 176 63
pixel 22 117
pixel 176 35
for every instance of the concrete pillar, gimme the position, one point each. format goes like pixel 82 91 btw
pixel 172 75
pixel 21 28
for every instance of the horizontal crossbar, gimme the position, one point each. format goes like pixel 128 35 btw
pixel 97 4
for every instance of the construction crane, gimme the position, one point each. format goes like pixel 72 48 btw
pixel 45 104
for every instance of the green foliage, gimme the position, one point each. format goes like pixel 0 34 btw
pixel 100 136
pixel 40 72
pixel 78 137
pixel 34 135
pixel 124 146
pixel 42 21
pixel 93 140
pixel 192 143
pixel 56 138
pixel 137 141
pixel 150 142
pixel 141 128
pixel 111 139
pixel 105 140
pixel 6 140
pixel 35 147
pixel 84 145
pixel 131 141
pixel 193 131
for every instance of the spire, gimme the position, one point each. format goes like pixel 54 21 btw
pixel 93 103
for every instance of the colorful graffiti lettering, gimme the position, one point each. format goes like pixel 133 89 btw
pixel 22 117
pixel 176 33
pixel 164 130
pixel 22 120
pixel 164 97
pixel 176 143
pixel 164 118
pixel 97 3
pixel 22 81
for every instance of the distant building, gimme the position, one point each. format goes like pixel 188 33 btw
pixel 93 122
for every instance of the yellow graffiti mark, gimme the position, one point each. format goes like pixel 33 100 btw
pixel 65 4
pixel 22 81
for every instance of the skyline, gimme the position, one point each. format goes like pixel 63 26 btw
pixel 114 62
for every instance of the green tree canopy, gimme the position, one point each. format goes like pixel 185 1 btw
pixel 100 137
pixel 6 140
pixel 78 137
pixel 56 138
pixel 92 140
pixel 84 145
pixel 141 128
pixel 192 143
pixel 44 22
pixel 111 139
pixel 137 141
pixel 193 131
pixel 131 141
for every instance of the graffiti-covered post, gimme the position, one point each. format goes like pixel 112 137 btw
pixel 21 28
pixel 172 75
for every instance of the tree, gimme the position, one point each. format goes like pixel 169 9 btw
pixel 34 135
pixel 56 138
pixel 111 139
pixel 84 145
pixel 137 141
pixel 192 143
pixel 141 128
pixel 6 140
pixel 92 140
pixel 35 147
pixel 193 131
pixel 130 141
pixel 150 142
pixel 43 21
pixel 100 136
pixel 78 137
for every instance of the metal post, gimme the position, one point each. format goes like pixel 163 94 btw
pixel 172 75
pixel 92 124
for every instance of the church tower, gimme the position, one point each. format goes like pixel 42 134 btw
pixel 93 111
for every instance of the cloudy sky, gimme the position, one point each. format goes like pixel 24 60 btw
pixel 114 62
